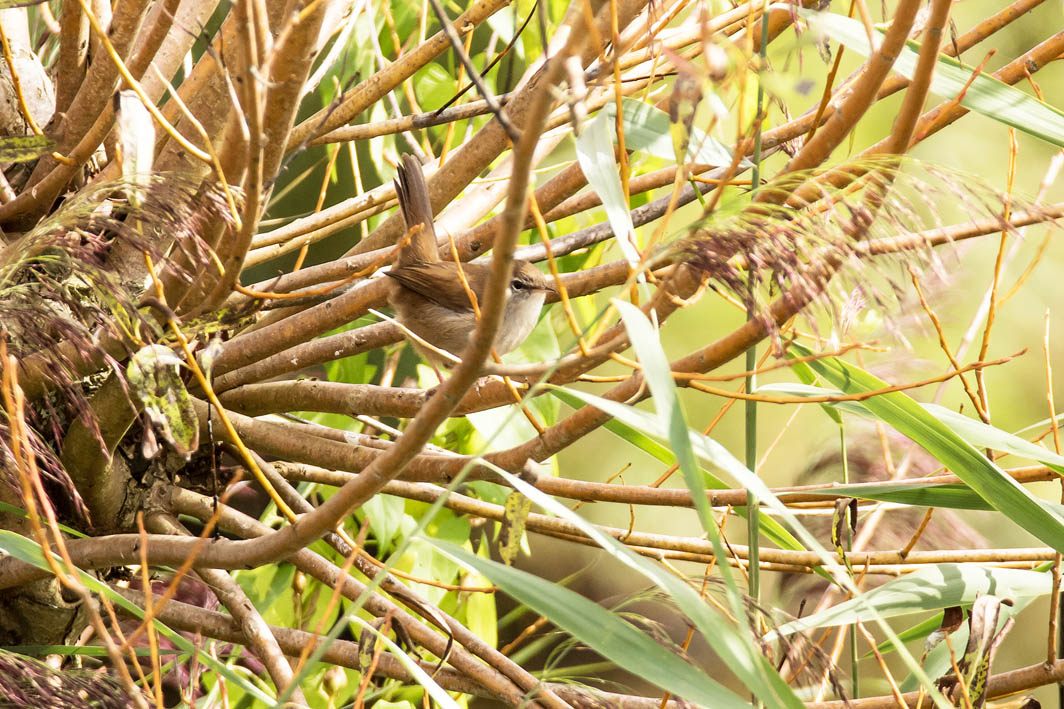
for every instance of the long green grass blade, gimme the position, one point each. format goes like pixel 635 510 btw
pixel 773 530
pixel 762 678
pixel 1042 519
pixel 975 432
pixel 950 496
pixel 647 129
pixel 594 151
pixel 930 589
pixel 982 435
pixel 713 452
pixel 603 631
pixel 986 95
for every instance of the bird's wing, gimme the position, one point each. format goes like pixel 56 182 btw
pixel 422 278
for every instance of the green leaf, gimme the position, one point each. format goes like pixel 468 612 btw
pixel 975 432
pixel 982 435
pixel 19 512
pixel 709 450
pixel 23 148
pixel 951 496
pixel 594 151
pixel 648 129
pixel 744 658
pixel 428 563
pixel 512 532
pixel 385 513
pixel 435 86
pixel 481 614
pixel 803 372
pixel 645 340
pixel 86 650
pixel 773 530
pixel 808 390
pixel 1044 423
pixel 929 589
pixel 986 95
pixel 622 430
pixel 603 631
pixel 1042 519
pixel 153 377
pixel 266 585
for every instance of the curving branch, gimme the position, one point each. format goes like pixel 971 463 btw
pixel 345 653
pixel 254 631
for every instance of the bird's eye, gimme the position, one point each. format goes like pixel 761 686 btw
pixel 517 285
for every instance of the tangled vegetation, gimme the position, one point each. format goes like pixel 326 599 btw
pixel 786 274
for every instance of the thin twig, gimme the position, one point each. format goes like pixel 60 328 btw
pixel 474 75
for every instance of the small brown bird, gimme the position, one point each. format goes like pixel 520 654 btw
pixel 428 295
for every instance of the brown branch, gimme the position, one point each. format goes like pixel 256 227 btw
pixel 325 349
pixel 860 95
pixel 254 631
pixel 504 675
pixel 345 653
pixel 88 455
pixel 374 400
pixel 91 103
pixel 123 549
pixel 402 124
pixel 370 90
pixel 242 153
pixel 148 43
pixel 316 226
pixel 1000 685
pixel 73 50
pixel 957 232
pixel 654 496
pixel 555 526
pixel 292 642
pixel 371 569
pixel 980 32
pixel 286 72
pixel 902 132
pixel 474 75
pixel 861 396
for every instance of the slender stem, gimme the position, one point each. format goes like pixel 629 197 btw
pixel 1060 644
pixel 854 656
pixel 753 517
